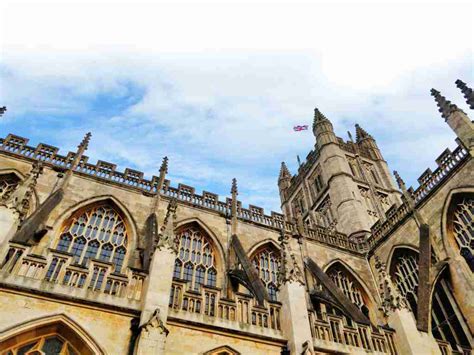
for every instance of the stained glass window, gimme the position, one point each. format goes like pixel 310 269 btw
pixel 98 232
pixel 463 228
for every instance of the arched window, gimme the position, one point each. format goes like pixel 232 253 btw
pixel 98 232
pixel 349 286
pixel 267 262
pixel 196 261
pixel 8 183
pixel 462 225
pixel 447 322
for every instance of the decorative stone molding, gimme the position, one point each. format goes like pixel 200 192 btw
pixel 167 237
pixel 290 271
pixel 392 300
pixel 19 199
pixel 154 324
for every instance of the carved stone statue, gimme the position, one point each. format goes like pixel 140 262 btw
pixel 19 200
pixel 167 237
pixel 155 323
pixel 391 298
pixel 290 271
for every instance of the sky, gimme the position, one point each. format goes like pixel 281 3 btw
pixel 218 86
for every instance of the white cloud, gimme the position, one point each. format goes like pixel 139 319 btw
pixel 223 83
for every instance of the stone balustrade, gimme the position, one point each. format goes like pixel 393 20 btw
pixel 208 301
pixel 428 181
pixel 60 270
pixel 446 349
pixel 330 331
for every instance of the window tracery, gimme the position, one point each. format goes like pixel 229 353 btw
pixel 348 285
pixel 447 322
pixel 267 262
pixel 196 261
pixel 8 183
pixel 97 233
pixel 51 344
pixel 463 229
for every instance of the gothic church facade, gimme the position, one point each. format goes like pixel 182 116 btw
pixel 98 261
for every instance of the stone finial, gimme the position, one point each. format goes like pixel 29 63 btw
pixel 85 142
pixel 350 136
pixel 318 116
pixel 467 91
pixel 233 189
pixel 400 182
pixel 361 133
pixel 289 271
pixel 167 237
pixel 3 110
pixel 445 106
pixel 284 172
pixel 392 300
pixel 164 166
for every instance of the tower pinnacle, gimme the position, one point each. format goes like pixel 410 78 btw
pixel 361 133
pixel 284 172
pixel 445 106
pixel 467 91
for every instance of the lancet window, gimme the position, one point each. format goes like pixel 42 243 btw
pixel 463 229
pixel 196 261
pixel 8 183
pixel 349 286
pixel 447 322
pixel 98 232
pixel 267 262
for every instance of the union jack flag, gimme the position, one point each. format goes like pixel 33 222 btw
pixel 300 128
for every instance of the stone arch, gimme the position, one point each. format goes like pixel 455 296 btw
pixel 448 238
pixel 268 242
pixel 400 246
pixel 222 350
pixel 59 324
pixel 370 302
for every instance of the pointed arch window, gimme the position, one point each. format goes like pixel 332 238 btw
pixel 96 232
pixel 447 322
pixel 349 286
pixel 196 261
pixel 463 227
pixel 267 262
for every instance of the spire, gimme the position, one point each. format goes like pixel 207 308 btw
pixel 445 106
pixel 318 116
pixel 233 189
pixel 284 172
pixel 2 110
pixel 81 148
pixel 164 166
pixel 361 133
pixel 467 91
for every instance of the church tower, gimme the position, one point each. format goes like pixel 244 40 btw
pixel 343 185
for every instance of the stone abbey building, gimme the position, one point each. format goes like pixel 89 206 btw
pixel 97 261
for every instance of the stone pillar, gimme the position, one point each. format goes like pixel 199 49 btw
pixel 153 332
pixel 408 339
pixel 295 322
pixel 155 301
